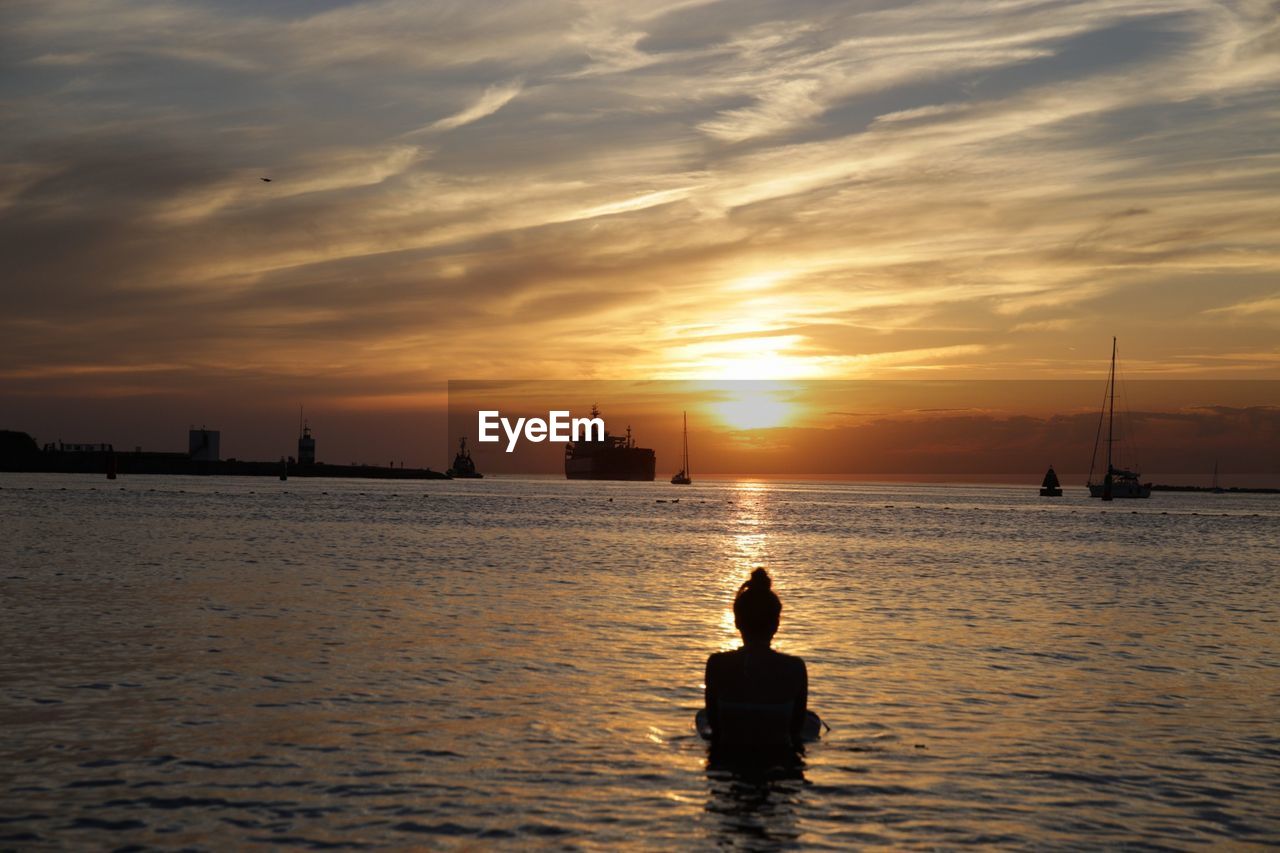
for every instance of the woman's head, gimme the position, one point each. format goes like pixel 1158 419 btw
pixel 756 609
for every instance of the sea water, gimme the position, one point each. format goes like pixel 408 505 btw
pixel 219 662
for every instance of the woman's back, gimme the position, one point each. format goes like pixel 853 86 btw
pixel 756 697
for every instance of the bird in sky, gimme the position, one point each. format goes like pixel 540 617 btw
pixel 267 180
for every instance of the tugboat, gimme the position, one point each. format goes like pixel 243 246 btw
pixel 1050 488
pixel 614 457
pixel 682 478
pixel 463 468
pixel 1117 482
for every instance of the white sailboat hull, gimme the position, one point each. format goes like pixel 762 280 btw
pixel 1121 490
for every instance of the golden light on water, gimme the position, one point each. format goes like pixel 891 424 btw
pixel 728 629
pixel 747 550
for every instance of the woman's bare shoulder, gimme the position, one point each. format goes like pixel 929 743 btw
pixel 724 656
pixel 793 661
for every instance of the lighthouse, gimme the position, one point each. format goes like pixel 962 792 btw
pixel 306 447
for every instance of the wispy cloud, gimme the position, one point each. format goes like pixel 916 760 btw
pixel 495 97
pixel 1266 305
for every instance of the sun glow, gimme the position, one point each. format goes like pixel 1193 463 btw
pixel 758 281
pixel 752 405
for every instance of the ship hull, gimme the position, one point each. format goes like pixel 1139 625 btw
pixel 1050 492
pixel 637 464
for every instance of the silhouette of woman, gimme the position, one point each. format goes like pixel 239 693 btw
pixel 756 697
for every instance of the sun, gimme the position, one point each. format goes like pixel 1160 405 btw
pixel 747 405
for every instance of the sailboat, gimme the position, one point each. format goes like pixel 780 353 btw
pixel 1117 482
pixel 1050 488
pixel 682 477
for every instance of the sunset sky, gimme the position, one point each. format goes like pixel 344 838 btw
pixel 546 190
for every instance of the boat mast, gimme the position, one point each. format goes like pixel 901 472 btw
pixel 686 443
pixel 1111 414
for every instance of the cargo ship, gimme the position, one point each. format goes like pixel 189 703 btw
pixel 614 457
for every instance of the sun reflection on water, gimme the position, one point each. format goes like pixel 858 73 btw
pixel 747 549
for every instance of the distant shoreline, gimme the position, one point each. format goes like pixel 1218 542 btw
pixel 179 464
pixel 1076 481
pixel 375 473
pixel 1162 487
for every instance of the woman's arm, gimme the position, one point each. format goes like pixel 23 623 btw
pixel 800 708
pixel 711 696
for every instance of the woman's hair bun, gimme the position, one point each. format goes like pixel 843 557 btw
pixel 756 607
pixel 760 581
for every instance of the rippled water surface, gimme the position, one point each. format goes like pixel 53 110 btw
pixel 213 663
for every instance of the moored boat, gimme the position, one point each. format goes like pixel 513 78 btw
pixel 1116 482
pixel 464 468
pixel 682 477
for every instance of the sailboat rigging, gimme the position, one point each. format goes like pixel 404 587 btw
pixel 682 477
pixel 1117 482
